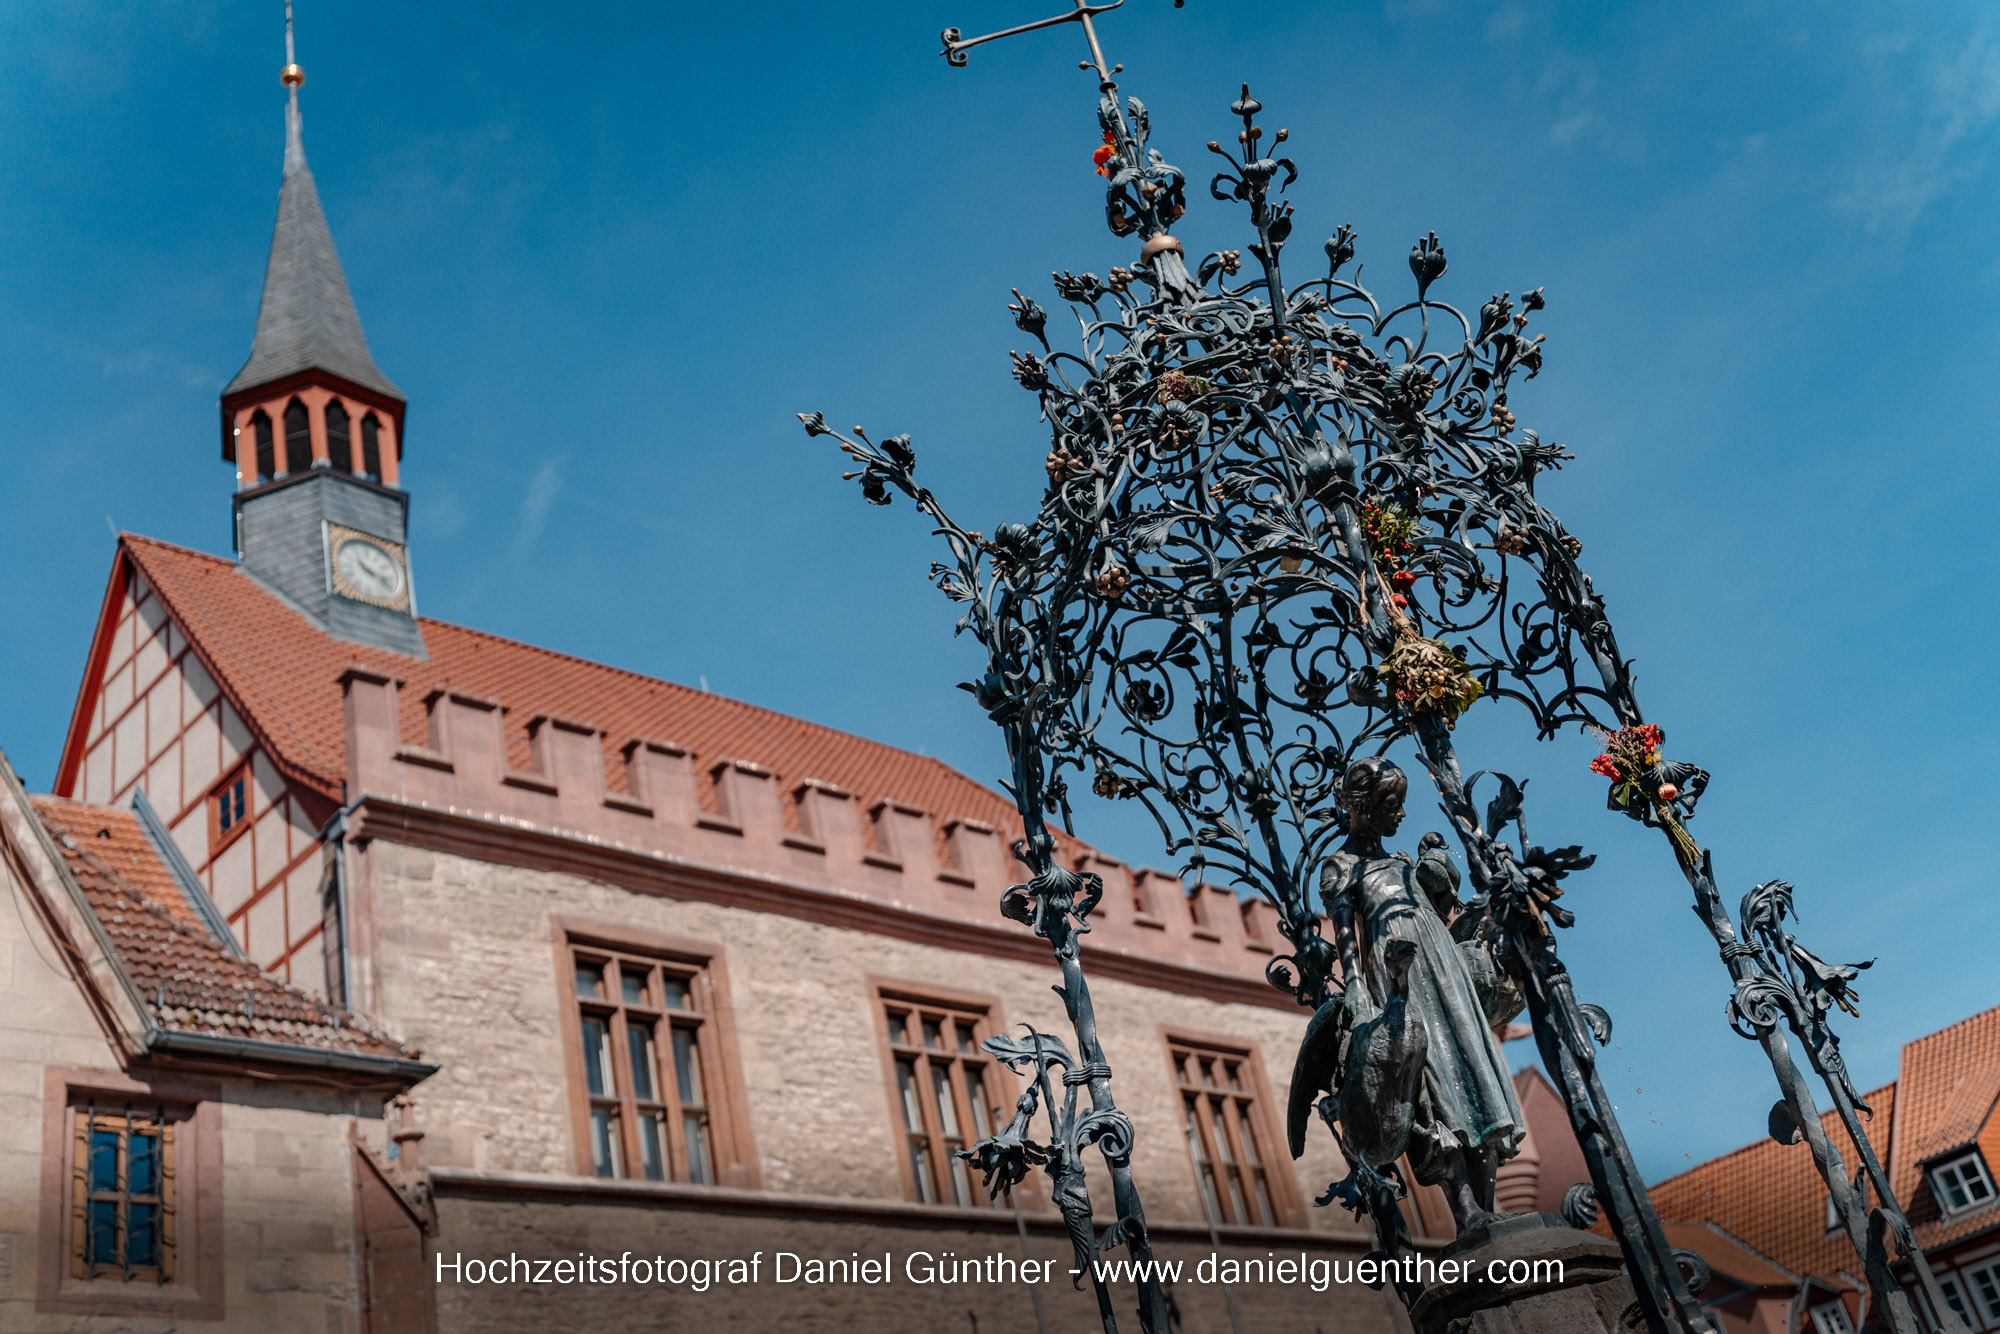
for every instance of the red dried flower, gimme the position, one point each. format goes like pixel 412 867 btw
pixel 1403 580
pixel 1605 765
pixel 1102 157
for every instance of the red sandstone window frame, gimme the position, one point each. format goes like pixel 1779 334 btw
pixel 1225 1103
pixel 916 1071
pixel 706 1019
pixel 240 819
pixel 192 1288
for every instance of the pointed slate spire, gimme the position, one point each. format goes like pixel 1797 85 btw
pixel 307 320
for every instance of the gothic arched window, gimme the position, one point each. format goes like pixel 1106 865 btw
pixel 298 438
pixel 371 447
pixel 339 449
pixel 267 457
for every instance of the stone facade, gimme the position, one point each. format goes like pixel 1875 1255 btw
pixel 467 973
pixel 461 955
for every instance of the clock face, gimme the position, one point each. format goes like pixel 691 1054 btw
pixel 371 571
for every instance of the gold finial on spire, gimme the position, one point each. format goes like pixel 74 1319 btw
pixel 292 75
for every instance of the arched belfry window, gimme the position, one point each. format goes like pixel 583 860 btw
pixel 267 457
pixel 339 448
pixel 371 447
pixel 298 438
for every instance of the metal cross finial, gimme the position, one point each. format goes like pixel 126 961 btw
pixel 291 75
pixel 955 47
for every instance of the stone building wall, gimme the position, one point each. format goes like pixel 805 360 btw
pixel 466 968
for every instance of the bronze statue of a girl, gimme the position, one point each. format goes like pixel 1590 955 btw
pixel 1464 1119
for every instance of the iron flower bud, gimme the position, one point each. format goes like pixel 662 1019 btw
pixel 1427 262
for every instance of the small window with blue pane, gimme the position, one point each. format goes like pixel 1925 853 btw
pixel 123 1193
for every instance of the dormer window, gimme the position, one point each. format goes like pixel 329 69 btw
pixel 1962 1183
pixel 1831 1318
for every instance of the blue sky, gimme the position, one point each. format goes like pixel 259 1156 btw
pixel 609 250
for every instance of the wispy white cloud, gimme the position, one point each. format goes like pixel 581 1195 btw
pixel 121 363
pixel 1941 141
pixel 543 488
pixel 1567 130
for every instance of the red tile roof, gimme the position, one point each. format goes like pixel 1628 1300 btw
pixel 1953 1078
pixel 1950 1080
pixel 1771 1196
pixel 283 672
pixel 187 981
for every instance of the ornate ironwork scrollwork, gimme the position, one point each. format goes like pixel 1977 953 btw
pixel 1284 528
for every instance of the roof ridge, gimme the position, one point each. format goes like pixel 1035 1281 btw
pixel 1989 1012
pixel 126 535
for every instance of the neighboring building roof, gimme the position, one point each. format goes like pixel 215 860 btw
pixel 187 982
pixel 1953 1079
pixel 307 320
pixel 1728 1256
pixel 1949 1081
pixel 1770 1195
pixel 283 673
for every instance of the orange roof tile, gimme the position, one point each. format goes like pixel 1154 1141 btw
pixel 187 981
pixel 283 673
pixel 1771 1197
pixel 1953 1078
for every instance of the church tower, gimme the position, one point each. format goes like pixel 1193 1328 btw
pixel 315 430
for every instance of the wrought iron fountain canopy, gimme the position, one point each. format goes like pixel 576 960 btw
pixel 1287 526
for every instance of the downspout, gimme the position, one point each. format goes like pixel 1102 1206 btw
pixel 334 835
